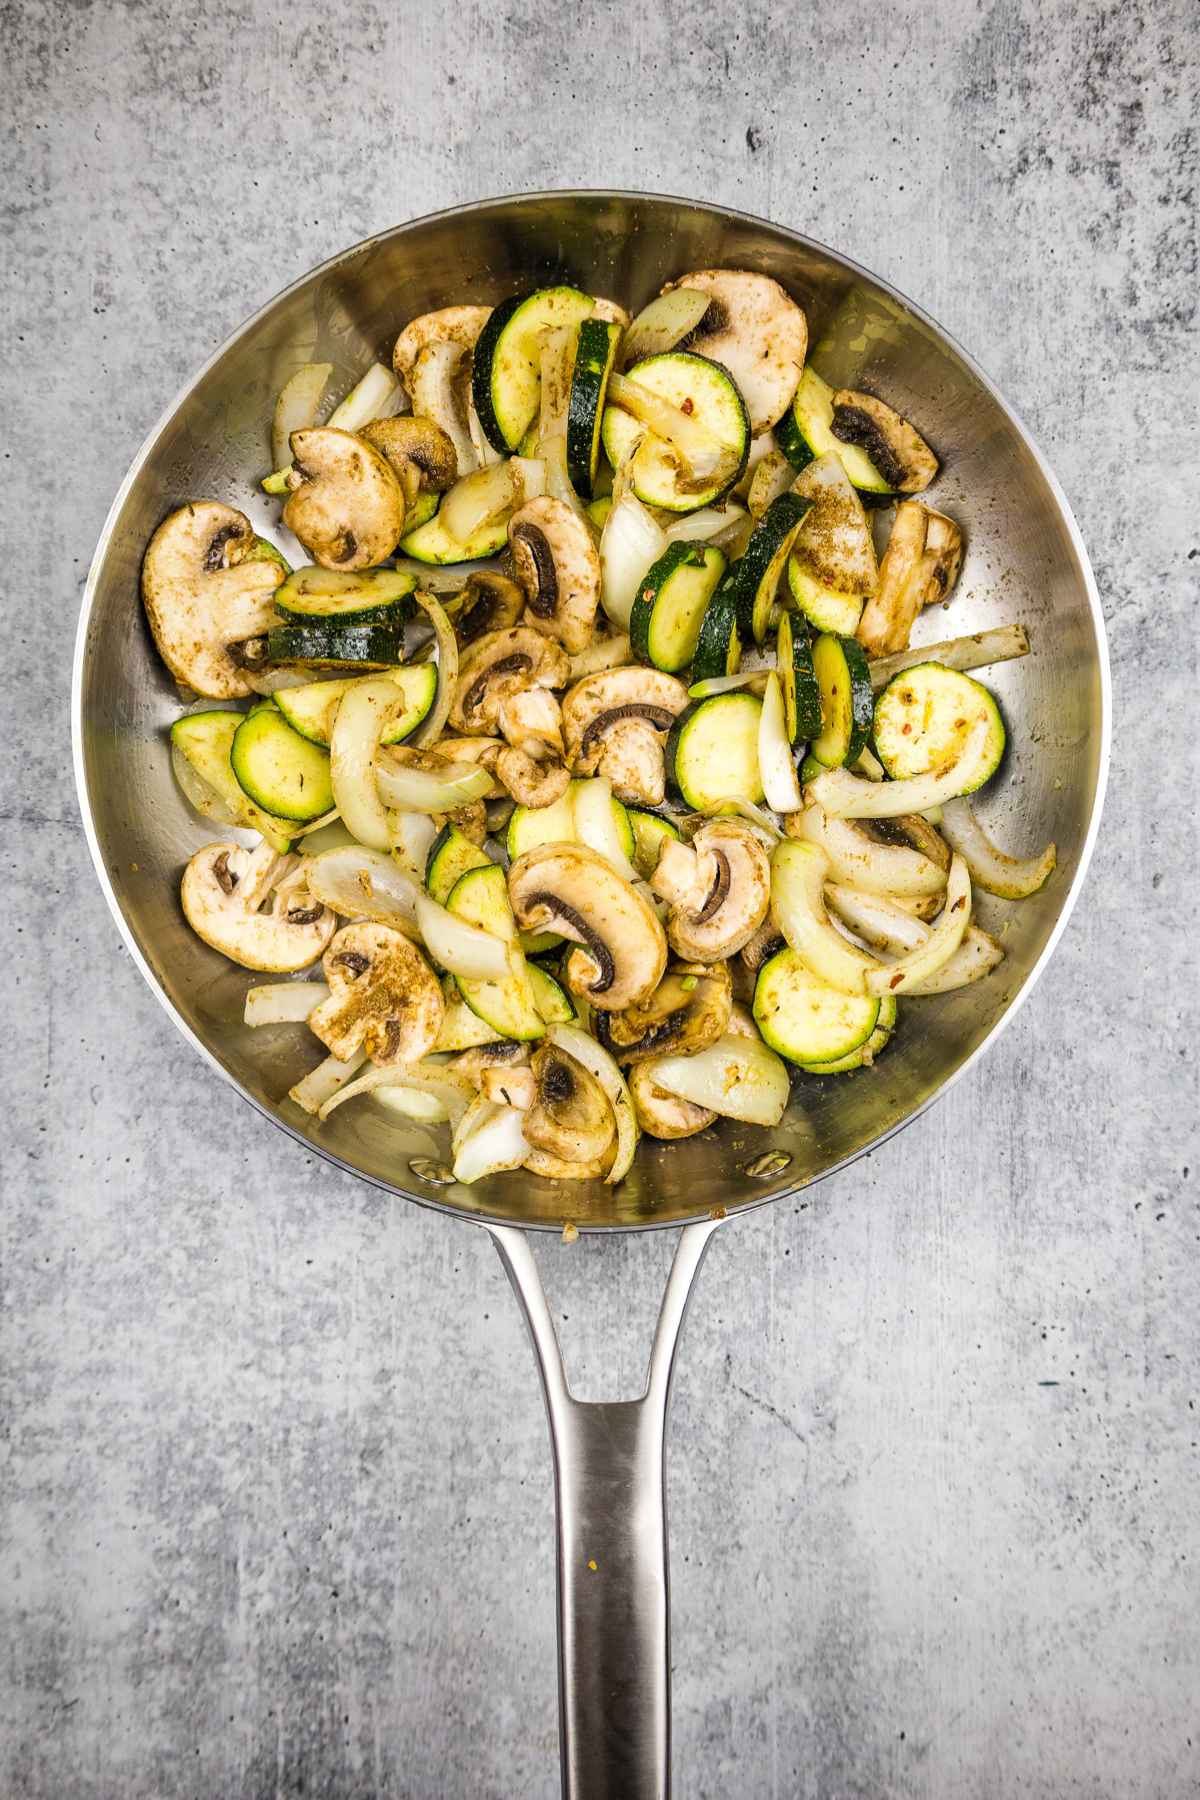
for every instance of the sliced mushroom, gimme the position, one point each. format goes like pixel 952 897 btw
pixel 616 723
pixel 558 567
pixel 471 820
pixel 531 720
pixel 734 873
pixel 489 602
pixel 919 567
pixel 476 1064
pixel 205 594
pixel 899 452
pixel 497 665
pixel 918 833
pixel 574 891
pixel 557 1168
pixel 529 781
pixel 943 555
pixel 663 1115
pixel 457 325
pixel 756 331
pixel 384 997
pixel 345 505
pixel 422 456
pixel 688 1010
pixel 570 1116
pixel 762 946
pixel 224 894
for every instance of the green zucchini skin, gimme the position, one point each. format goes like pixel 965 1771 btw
pixel 481 368
pixel 278 769
pixel 847 702
pixel 432 543
pixel 878 1041
pixel 671 602
pixel 719 644
pixel 650 831
pixel 205 740
pixel 923 716
pixel 594 357
pixel 550 997
pixel 758 571
pixel 709 389
pixel 324 644
pixel 374 597
pixel 798 680
pixel 825 608
pixel 712 751
pixel 481 897
pixel 451 854
pixel 804 1019
pixel 805 432
pixel 505 381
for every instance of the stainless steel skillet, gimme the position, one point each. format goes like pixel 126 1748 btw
pixel 1025 561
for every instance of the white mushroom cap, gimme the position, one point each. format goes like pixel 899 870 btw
pixel 224 887
pixel 615 724
pixel 573 890
pixel 733 872
pixel 205 594
pixel 459 325
pixel 345 506
pixel 558 567
pixel 384 999
pixel 498 664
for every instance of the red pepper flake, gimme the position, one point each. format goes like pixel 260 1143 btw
pixel 960 902
pixel 688 406
pixel 895 981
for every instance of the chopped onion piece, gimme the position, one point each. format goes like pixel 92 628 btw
pixel 481 443
pixel 707 526
pixel 629 543
pixel 764 822
pixel 362 712
pixel 284 1002
pixel 447 579
pixel 776 766
pixel 612 652
pixel 436 394
pixel 364 884
pixel 737 1076
pixel 499 1143
pixel 868 764
pixel 976 956
pixel 665 322
pixel 875 919
pixel 430 728
pixel 374 397
pixel 272 681
pixel 321 824
pixel 296 409
pixel 597 1061
pixel 1009 877
pixel 596 823
pixel 407 789
pixel 943 940
pixel 413 1103
pixel 488 493
pixel 694 442
pixel 798 874
pixel 412 836
pixel 462 948
pixel 477 1113
pixel 861 862
pixel 426 1077
pixel 322 1083
pixel 1001 644
pixel 846 796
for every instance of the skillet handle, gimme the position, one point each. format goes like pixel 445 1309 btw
pixel 614 1672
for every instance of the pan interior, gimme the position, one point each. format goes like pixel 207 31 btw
pixel 1024 562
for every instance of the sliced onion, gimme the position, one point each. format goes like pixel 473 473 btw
pixel 629 543
pixel 272 681
pixel 1001 644
pixel 1009 877
pixel 413 1103
pixel 754 679
pixel 602 653
pixel 374 397
pixel 943 940
pixel 498 1143
pixel 364 884
pixel 321 824
pixel 776 765
pixel 846 796
pixel 454 1091
pixel 737 1076
pixel 875 919
pixel 412 836
pixel 460 947
pixel 596 823
pixel 798 874
pixel 284 1002
pixel 296 409
pixel 763 822
pixel 363 711
pixel 448 579
pixel 202 797
pixel 434 389
pixel 773 476
pixel 406 789
pixel 860 862
pixel 478 1112
pixel 688 435
pixel 485 451
pixel 322 1083
pixel 430 728
pixel 597 1061
pixel 710 525
pixel 488 493
pixel 976 956
pixel 665 322
pixel 868 764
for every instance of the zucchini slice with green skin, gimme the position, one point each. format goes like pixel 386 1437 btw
pixel 798 680
pixel 847 703
pixel 530 826
pixel 550 997
pixel 480 896
pixel 804 1019
pixel 451 854
pixel 710 395
pixel 650 832
pixel 827 608
pixel 671 603
pixel 806 432
pixel 324 644
pixel 432 543
pixel 506 379
pixel 418 682
pixel 594 357
pixel 369 597
pixel 262 550
pixel 925 715
pixel 719 644
pixel 204 740
pixel 712 751
pixel 280 770
pixel 866 1053
pixel 757 573
pixel 311 710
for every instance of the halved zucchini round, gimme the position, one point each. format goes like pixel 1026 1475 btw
pixel 925 715
pixel 719 645
pixel 803 1018
pixel 806 432
pixel 825 607
pixel 480 896
pixel 879 1039
pixel 506 379
pixel 324 644
pixel 798 680
pixel 709 394
pixel 594 358
pixel 671 603
pixel 432 543
pixel 758 571
pixel 844 680
pixel 451 854
pixel 280 770
pixel 712 751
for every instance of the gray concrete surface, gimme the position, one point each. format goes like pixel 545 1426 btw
pixel 277 1509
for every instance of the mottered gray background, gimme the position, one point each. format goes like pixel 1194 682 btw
pixel 277 1512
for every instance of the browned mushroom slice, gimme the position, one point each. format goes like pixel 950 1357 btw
pixel 496 665
pixel 898 451
pixel 919 567
pixel 688 1010
pixel 422 456
pixel 734 872
pixel 558 568
pixel 345 504
pixel 943 556
pixel 572 890
pixel 384 997
pixel 557 1168
pixel 458 325
pixel 529 781
pixel 616 724
pixel 206 596
pixel 663 1115
pixel 224 894
pixel 756 331
pixel 762 946
pixel 489 602
pixel 570 1116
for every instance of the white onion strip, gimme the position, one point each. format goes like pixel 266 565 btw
pixel 700 449
pixel 373 397
pixel 798 873
pixel 498 1143
pixel 323 1082
pixel 283 1002
pixel 364 884
pixel 407 789
pixel 737 1076
pixel 460 947
pixel 860 862
pixel 875 919
pixel 707 526
pixel 976 956
pixel 296 409
pixel 846 796
pixel 754 679
pixel 596 823
pixel 943 940
pixel 362 712
pixel 776 766
pixel 1008 877
pixel 630 543
pixel 1001 644
pixel 454 1091
pixel 598 1062
pixel 430 728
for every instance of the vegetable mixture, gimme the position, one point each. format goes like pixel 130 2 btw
pixel 587 760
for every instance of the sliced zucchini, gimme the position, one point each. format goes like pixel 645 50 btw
pixel 719 644
pixel 925 715
pixel 798 680
pixel 366 597
pixel 708 394
pixel 806 432
pixel 204 740
pixel 262 550
pixel 756 575
pixel 803 1018
pixel 506 381
pixel 278 769
pixel 594 357
pixel 422 510
pixel 325 645
pixel 418 682
pixel 555 824
pixel 480 896
pixel 823 606
pixel 866 1053
pixel 432 543
pixel 650 832
pixel 671 603
pixel 712 751
pixel 847 706
pixel 550 997
pixel 451 854
pixel 461 1028
pixel 310 710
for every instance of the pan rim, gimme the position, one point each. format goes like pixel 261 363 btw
pixel 480 1216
